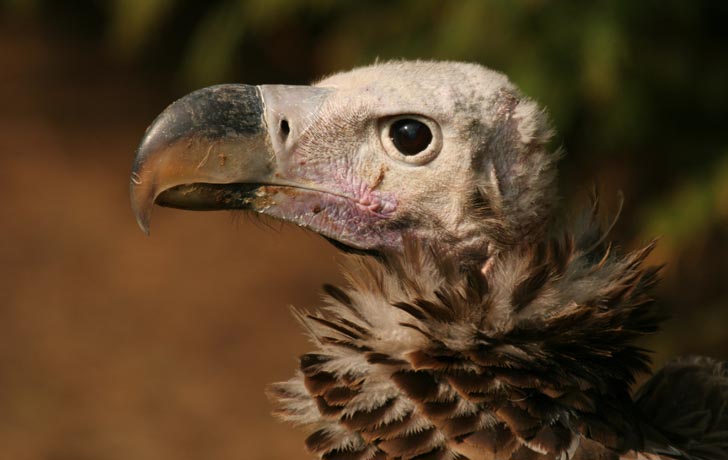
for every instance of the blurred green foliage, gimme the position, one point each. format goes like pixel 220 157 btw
pixel 689 210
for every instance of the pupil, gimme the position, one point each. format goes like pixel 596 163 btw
pixel 409 136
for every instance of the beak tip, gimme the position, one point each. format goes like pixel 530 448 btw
pixel 142 201
pixel 144 228
pixel 143 219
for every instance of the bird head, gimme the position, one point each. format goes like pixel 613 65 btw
pixel 442 152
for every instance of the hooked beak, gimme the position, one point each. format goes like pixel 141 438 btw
pixel 217 147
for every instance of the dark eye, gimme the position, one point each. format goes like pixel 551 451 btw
pixel 410 136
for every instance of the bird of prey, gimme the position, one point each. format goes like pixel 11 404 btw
pixel 474 324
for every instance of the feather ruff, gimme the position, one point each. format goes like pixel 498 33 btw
pixel 530 354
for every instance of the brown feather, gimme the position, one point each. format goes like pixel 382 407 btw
pixel 410 445
pixel 365 420
pixel 418 385
pixel 492 440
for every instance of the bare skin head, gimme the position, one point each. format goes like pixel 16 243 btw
pixel 365 158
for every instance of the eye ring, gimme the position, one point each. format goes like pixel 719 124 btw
pixel 412 139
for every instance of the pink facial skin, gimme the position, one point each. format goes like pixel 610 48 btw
pixel 359 220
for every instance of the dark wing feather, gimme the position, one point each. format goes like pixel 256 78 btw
pixel 686 404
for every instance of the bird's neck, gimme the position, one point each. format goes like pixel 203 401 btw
pixel 531 350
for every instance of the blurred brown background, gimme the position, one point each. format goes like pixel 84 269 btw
pixel 118 346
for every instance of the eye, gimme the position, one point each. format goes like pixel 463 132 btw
pixel 410 136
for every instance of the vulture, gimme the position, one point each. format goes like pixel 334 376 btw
pixel 474 323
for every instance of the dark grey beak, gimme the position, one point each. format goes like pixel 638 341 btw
pixel 226 147
pixel 201 145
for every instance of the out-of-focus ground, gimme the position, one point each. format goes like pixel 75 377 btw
pixel 114 345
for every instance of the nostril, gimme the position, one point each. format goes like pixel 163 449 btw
pixel 285 128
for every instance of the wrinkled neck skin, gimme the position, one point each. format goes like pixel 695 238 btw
pixel 527 354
